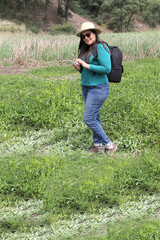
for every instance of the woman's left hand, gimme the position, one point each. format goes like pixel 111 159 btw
pixel 81 62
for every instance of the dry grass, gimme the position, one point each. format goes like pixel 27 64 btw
pixel 28 48
pixel 8 26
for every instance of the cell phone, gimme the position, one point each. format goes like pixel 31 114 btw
pixel 70 62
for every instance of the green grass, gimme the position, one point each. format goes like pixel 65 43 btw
pixel 51 99
pixel 80 181
pixel 50 186
pixel 26 219
pixel 135 229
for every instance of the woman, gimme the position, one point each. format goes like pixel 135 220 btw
pixel 95 85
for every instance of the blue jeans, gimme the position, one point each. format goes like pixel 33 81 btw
pixel 94 97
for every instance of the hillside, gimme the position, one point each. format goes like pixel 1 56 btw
pixel 36 15
pixel 77 20
pixel 54 19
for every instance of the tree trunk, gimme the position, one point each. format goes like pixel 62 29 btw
pixel 66 10
pixel 129 21
pixel 45 11
pixel 59 9
pixel 34 11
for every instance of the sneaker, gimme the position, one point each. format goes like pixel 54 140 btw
pixel 95 149
pixel 111 148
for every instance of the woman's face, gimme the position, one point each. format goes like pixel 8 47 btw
pixel 88 37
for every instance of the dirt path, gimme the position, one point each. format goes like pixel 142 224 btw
pixel 14 69
pixel 20 69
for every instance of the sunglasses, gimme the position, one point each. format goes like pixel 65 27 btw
pixel 86 35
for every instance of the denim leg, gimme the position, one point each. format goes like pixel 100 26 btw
pixel 94 98
pixel 95 137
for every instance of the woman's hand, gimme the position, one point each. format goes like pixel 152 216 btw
pixel 81 62
pixel 76 66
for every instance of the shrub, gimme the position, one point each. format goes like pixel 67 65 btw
pixel 65 28
pixel 33 27
pixel 151 13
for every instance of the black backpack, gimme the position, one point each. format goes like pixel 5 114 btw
pixel 116 62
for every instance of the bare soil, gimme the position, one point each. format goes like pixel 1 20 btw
pixel 14 69
pixel 20 69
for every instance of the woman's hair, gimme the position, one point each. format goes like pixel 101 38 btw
pixel 84 51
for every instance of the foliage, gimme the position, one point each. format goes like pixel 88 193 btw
pixel 120 13
pixel 33 27
pixel 65 28
pixel 151 13
pixel 117 14
pixel 19 11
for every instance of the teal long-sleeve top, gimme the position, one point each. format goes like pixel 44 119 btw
pixel 98 70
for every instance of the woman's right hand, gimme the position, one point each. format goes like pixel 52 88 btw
pixel 76 66
pixel 82 63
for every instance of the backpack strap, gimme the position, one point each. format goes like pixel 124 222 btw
pixel 95 53
pixel 104 43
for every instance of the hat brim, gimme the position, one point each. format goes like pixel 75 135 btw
pixel 96 29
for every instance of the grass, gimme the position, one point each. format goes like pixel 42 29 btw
pixel 51 187
pixel 8 26
pixel 26 219
pixel 29 48
pixel 47 99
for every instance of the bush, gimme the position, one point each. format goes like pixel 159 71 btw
pixel 33 27
pixel 151 13
pixel 65 28
pixel 99 21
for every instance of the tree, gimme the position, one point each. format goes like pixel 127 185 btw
pixel 119 13
pixel 63 9
pixel 66 3
pixel 47 2
pixel 95 6
pixel 151 12
pixel 60 8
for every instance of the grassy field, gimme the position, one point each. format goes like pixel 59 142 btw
pixel 50 186
pixel 26 49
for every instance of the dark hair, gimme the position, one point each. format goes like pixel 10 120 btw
pixel 83 49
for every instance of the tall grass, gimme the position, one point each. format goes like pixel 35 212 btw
pixel 29 48
pixel 8 26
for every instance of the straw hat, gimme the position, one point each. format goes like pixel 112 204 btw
pixel 88 26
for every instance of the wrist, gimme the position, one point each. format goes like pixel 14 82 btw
pixel 87 66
